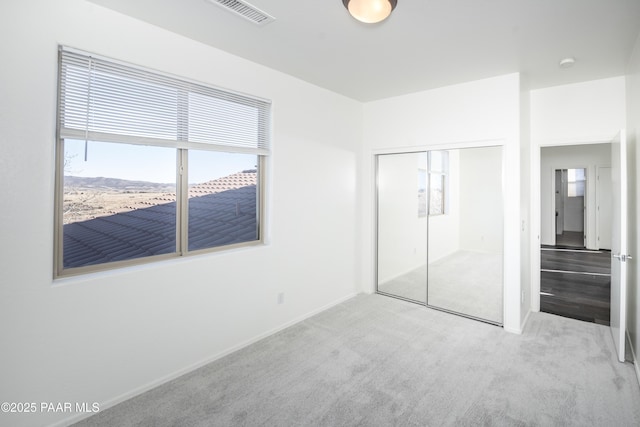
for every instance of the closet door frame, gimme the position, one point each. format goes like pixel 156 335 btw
pixel 426 150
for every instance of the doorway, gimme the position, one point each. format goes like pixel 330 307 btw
pixel 616 153
pixel 570 207
pixel 575 263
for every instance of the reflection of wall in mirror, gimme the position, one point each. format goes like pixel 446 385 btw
pixel 481 205
pixel 402 234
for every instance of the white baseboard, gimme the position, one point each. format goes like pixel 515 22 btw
pixel 516 331
pixel 526 319
pixel 636 362
pixel 153 384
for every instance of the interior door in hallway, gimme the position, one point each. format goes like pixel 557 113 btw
pixel 619 243
pixel 603 210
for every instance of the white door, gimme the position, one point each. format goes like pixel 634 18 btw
pixel 619 243
pixel 603 212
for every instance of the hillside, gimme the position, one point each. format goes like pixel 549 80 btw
pixel 88 198
pixel 115 184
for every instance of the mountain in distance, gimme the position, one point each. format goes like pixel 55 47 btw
pixel 115 184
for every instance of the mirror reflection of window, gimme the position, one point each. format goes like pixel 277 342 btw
pixel 422 185
pixel 438 166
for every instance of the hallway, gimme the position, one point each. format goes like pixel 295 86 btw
pixel 576 283
pixel 570 239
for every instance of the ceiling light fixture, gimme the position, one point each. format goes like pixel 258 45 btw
pixel 370 11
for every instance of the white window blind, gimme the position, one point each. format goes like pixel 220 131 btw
pixel 103 100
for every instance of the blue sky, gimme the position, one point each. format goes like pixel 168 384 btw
pixel 146 163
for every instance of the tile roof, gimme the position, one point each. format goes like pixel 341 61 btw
pixel 221 212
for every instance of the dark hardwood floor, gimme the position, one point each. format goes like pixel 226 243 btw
pixel 570 239
pixel 574 260
pixel 576 284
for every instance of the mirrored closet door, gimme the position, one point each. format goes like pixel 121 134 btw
pixel 402 226
pixel 440 230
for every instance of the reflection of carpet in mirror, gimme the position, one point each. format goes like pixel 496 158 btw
pixel 466 282
pixel 411 285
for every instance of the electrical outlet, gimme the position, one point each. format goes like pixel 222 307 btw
pixel 281 298
pixel 522 297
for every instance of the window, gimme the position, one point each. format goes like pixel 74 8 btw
pixel 438 169
pixel 575 182
pixel 151 167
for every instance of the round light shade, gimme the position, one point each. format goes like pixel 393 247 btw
pixel 370 11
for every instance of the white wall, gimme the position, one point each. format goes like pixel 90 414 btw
pixel 592 111
pixel 574 212
pixel 525 203
pixel 479 113
pixel 589 156
pixel 633 136
pixel 100 337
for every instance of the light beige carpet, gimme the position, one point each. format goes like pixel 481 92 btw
pixel 379 361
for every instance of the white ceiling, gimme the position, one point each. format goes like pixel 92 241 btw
pixel 423 45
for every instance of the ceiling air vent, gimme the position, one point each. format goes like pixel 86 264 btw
pixel 245 10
